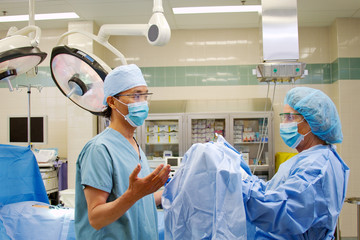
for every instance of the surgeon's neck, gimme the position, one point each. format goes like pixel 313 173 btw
pixel 123 127
pixel 309 141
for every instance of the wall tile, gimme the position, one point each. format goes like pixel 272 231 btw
pixel 344 63
pixel 222 75
pixel 354 74
pixel 354 62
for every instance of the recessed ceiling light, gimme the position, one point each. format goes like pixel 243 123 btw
pixel 217 9
pixel 46 16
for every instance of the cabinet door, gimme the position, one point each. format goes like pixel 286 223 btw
pixel 162 136
pixel 203 128
pixel 251 135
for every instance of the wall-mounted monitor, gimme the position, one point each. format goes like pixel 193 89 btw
pixel 18 129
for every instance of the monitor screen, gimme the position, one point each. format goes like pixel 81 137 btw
pixel 18 129
pixel 172 161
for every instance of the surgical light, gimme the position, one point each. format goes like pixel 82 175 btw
pixel 80 75
pixel 19 53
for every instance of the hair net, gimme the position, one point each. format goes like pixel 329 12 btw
pixel 121 79
pixel 318 110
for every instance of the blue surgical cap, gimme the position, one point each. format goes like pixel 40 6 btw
pixel 318 110
pixel 121 79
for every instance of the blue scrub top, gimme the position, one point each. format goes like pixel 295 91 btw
pixel 106 163
pixel 302 201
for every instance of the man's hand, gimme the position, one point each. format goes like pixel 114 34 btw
pixel 102 213
pixel 141 187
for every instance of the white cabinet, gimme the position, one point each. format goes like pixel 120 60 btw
pixel 50 179
pixel 251 133
pixel 163 135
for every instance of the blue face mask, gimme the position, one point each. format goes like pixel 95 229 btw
pixel 138 112
pixel 289 133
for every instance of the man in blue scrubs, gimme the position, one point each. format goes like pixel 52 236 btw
pixel 304 198
pixel 114 185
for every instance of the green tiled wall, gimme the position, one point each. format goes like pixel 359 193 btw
pixel 231 75
pixel 43 78
pixel 349 68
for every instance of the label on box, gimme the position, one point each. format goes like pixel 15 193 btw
pixel 246 157
pixel 163 138
pixel 173 128
pixel 163 128
pixel 173 138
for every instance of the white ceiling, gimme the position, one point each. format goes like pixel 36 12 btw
pixel 310 12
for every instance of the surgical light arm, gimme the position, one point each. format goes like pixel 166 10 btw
pixel 157 31
pixel 26 31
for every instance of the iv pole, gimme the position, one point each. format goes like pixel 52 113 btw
pixel 39 87
pixel 31 72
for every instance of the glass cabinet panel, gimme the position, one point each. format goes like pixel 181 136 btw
pixel 251 135
pixel 203 128
pixel 162 136
pixel 248 134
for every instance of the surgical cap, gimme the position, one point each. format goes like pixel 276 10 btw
pixel 121 79
pixel 318 110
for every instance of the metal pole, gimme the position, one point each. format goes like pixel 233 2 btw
pixel 31 12
pixel 29 115
pixel 356 200
pixel 358 223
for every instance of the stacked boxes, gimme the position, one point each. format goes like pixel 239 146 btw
pixel 248 131
pixel 203 130
pixel 165 133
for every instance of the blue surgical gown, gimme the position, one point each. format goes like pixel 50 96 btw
pixel 106 163
pixel 302 201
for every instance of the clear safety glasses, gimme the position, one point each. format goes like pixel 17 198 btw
pixel 137 97
pixel 290 117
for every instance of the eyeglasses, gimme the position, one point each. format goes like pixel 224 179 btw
pixel 137 97
pixel 289 117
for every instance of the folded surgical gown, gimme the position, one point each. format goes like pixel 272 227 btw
pixel 204 199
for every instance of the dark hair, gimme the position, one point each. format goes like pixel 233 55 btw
pixel 107 112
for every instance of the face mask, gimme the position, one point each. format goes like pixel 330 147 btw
pixel 138 112
pixel 289 133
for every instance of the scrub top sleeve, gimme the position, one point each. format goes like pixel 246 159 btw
pixel 291 207
pixel 96 168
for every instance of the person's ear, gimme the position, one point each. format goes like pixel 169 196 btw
pixel 306 127
pixel 110 101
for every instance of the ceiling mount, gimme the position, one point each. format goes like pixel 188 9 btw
pixel 280 43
